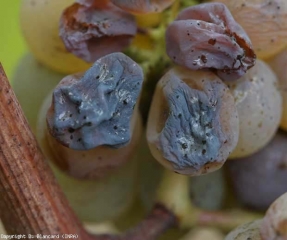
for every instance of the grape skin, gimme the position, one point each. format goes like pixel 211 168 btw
pixel 274 224
pixel 96 108
pixel 259 105
pixel 278 64
pixel 261 178
pixel 95 31
pixel 39 22
pixel 251 15
pixel 246 231
pixel 143 6
pixel 206 36
pixel 32 82
pixel 96 163
pixel 92 200
pixel 181 132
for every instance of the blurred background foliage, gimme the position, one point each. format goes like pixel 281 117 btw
pixel 12 45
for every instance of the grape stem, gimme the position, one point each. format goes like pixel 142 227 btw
pixel 31 200
pixel 174 194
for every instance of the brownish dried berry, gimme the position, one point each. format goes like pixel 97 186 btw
pixel 91 31
pixel 206 36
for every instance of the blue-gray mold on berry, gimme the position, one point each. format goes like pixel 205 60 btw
pixel 192 136
pixel 96 109
pixel 198 127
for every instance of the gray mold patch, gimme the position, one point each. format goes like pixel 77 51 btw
pixel 97 109
pixel 192 134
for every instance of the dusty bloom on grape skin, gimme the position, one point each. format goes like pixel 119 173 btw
pixel 91 31
pixel 206 36
pixel 96 108
pixel 193 124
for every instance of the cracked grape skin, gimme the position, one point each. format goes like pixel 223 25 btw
pixel 96 109
pixel 193 124
pixel 259 106
pixel 207 37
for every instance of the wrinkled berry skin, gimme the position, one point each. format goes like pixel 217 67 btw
pixel 192 125
pixel 96 109
pixel 91 31
pixel 206 36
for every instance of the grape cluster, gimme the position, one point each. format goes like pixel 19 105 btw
pixel 190 69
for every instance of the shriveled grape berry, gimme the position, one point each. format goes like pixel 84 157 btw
pixel 246 231
pixel 90 32
pixel 96 108
pixel 259 105
pixel 143 6
pixel 192 125
pixel 39 22
pixel 261 178
pixel 96 163
pixel 206 36
pixel 265 22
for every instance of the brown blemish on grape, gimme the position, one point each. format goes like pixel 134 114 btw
pixel 94 30
pixel 214 34
pixel 212 41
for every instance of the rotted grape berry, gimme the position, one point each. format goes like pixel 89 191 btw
pixel 95 118
pixel 206 36
pixel 274 224
pixel 193 125
pixel 259 105
pixel 261 178
pixel 92 31
pixel 96 108
pixel 99 200
pixel 39 22
pixel 264 21
pixel 246 231
pixel 95 163
pixel 143 6
pixel 278 64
